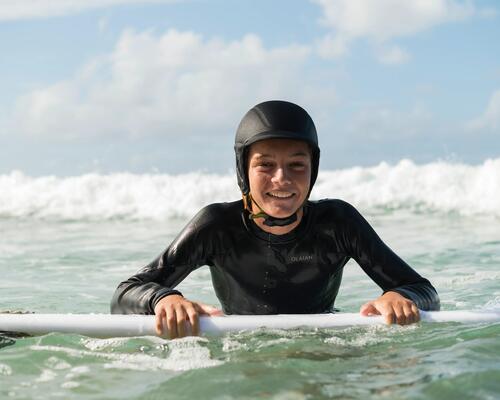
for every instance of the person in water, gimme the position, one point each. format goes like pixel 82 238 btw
pixel 275 251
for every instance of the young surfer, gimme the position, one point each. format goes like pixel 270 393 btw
pixel 275 251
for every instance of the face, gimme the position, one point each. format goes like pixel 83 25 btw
pixel 279 173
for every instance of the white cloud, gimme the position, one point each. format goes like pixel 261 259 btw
pixel 332 46
pixel 490 119
pixel 383 20
pixel 392 55
pixel 27 9
pixel 169 84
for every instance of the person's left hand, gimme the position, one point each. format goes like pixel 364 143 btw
pixel 394 307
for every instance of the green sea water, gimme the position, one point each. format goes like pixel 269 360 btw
pixel 63 266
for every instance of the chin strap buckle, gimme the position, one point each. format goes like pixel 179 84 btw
pixel 268 219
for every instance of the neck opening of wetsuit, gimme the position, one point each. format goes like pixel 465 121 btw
pixel 269 220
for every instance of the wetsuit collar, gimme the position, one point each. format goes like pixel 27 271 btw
pixel 297 233
pixel 268 219
pixel 273 221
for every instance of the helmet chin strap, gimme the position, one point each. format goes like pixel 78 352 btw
pixel 268 219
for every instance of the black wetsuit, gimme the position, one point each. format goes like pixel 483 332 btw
pixel 254 272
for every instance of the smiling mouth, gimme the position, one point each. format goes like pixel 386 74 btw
pixel 281 195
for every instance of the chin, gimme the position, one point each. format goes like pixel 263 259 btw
pixel 279 208
pixel 280 213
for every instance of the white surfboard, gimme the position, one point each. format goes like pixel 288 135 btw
pixel 107 325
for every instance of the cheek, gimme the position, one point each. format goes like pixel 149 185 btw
pixel 303 179
pixel 255 180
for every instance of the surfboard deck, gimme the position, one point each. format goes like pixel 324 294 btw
pixel 111 325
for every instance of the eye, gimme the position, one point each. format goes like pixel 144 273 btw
pixel 263 164
pixel 298 165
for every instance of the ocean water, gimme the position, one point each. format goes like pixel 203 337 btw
pixel 67 242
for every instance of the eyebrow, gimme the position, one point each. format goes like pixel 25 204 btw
pixel 297 154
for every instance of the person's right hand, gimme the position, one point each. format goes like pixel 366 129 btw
pixel 181 316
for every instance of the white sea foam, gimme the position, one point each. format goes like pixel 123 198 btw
pixel 70 385
pixel 434 187
pixel 56 363
pixel 5 369
pixel 120 195
pixel 101 344
pixel 493 304
pixel 356 337
pixel 184 354
pixel 438 186
pixel 77 371
pixel 230 345
pixel 46 376
pixel 466 279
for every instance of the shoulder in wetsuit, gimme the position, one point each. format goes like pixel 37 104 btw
pixel 254 272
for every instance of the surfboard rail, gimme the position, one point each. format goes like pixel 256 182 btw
pixel 113 325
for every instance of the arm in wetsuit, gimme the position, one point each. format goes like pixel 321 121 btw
pixel 384 266
pixel 140 293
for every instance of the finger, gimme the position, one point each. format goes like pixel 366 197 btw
pixel 388 314
pixel 193 320
pixel 409 316
pixel 171 323
pixel 389 317
pixel 181 316
pixel 210 310
pixel 159 322
pixel 416 312
pixel 205 309
pixel 399 314
pixel 368 309
pixel 216 312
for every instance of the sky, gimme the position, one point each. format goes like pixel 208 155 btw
pixel 161 85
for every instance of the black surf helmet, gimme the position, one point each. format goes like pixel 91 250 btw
pixel 275 119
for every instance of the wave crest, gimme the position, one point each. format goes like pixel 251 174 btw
pixel 434 187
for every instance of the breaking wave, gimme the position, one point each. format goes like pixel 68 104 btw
pixel 435 187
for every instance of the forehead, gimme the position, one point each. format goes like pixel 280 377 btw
pixel 279 147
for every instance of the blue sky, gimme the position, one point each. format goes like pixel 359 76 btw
pixel 142 86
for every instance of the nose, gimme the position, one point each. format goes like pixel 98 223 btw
pixel 280 176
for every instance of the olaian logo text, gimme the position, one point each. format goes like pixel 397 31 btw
pixel 295 259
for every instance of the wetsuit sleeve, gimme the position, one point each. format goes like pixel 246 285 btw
pixel 384 266
pixel 140 293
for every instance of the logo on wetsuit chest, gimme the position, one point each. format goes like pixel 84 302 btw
pixel 305 258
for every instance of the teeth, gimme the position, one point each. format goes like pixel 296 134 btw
pixel 281 195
